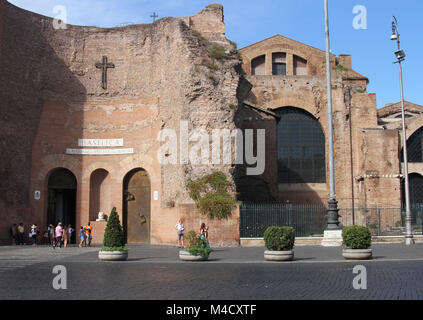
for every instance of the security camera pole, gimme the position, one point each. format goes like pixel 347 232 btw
pixel 400 55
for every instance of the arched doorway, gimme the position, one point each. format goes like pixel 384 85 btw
pixel 62 198
pixel 136 206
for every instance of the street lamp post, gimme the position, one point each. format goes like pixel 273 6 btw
pixel 400 55
pixel 333 233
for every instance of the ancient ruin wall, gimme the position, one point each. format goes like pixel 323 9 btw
pixel 167 60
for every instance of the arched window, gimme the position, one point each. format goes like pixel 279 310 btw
pixel 301 147
pixel 414 147
pixel 279 64
pixel 258 66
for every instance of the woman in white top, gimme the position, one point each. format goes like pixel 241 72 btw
pixel 180 228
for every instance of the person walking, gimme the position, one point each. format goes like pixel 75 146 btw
pixel 180 230
pixel 69 233
pixel 64 236
pixel 33 234
pixel 52 235
pixel 88 230
pixel 14 233
pixel 59 234
pixel 204 234
pixel 21 234
pixel 82 237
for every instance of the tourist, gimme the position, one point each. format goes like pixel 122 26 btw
pixel 21 234
pixel 14 233
pixel 50 230
pixel 82 237
pixel 59 234
pixel 33 234
pixel 65 236
pixel 88 230
pixel 204 234
pixel 69 234
pixel 180 230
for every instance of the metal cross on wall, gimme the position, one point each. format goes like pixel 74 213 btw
pixel 104 66
pixel 154 16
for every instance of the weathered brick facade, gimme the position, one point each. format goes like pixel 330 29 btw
pixel 51 96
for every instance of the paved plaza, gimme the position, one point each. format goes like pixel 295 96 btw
pixel 155 272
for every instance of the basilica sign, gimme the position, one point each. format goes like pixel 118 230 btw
pixel 100 143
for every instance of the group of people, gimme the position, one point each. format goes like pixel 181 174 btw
pixel 59 236
pixel 204 233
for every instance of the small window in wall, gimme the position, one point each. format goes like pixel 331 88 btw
pixel 258 66
pixel 279 64
pixel 300 66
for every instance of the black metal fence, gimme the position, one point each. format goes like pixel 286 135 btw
pixel 307 219
pixel 310 220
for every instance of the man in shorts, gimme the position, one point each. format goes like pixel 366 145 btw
pixel 88 230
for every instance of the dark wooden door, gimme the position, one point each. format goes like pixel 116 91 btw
pixel 136 196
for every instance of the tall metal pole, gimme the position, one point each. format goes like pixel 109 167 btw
pixel 409 233
pixel 333 222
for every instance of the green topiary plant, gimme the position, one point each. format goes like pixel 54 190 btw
pixel 279 238
pixel 114 238
pixel 357 237
pixel 195 245
pixel 211 195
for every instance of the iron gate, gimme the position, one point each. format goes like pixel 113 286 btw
pixel 307 219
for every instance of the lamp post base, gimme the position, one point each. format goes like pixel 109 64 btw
pixel 409 241
pixel 332 238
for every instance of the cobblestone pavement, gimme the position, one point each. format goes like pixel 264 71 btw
pixel 396 272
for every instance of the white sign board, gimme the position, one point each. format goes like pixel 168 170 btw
pixel 156 195
pixel 96 152
pixel 101 143
pixel 37 194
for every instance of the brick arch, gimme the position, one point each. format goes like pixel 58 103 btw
pixel 87 172
pixel 412 127
pixel 55 161
pixel 143 161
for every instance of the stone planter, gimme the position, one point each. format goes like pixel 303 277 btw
pixel 279 255
pixel 186 256
pixel 113 255
pixel 357 254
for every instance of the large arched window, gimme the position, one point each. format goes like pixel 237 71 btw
pixel 301 147
pixel 414 147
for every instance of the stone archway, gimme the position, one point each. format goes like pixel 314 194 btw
pixel 61 205
pixel 137 206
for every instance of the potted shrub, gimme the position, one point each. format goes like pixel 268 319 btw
pixel 357 240
pixel 279 242
pixel 114 240
pixel 195 248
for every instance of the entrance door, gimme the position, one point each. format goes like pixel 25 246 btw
pixel 62 199
pixel 136 206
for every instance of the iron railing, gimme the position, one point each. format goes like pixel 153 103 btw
pixel 307 219
pixel 310 220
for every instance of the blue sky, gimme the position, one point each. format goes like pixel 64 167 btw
pixel 250 21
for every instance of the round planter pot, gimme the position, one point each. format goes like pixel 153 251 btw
pixel 186 256
pixel 113 255
pixel 279 255
pixel 357 254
